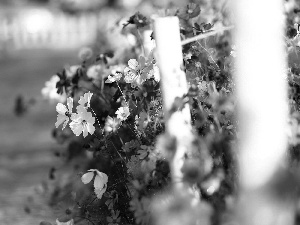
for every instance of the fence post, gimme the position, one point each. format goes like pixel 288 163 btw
pixel 173 84
pixel 262 109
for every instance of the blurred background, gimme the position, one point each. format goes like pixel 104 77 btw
pixel 37 39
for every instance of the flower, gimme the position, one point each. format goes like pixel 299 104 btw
pixel 66 208
pixel 134 166
pixel 123 113
pixel 233 51
pixel 192 10
pixel 85 100
pixel 72 70
pixel 82 122
pixel 111 124
pixel 129 146
pixel 64 113
pixel 115 75
pixel 70 222
pixel 100 181
pixel 85 53
pixel 141 209
pixel 144 151
pixel 155 73
pixel 94 72
pixel 114 219
pixel 50 90
pixel 137 71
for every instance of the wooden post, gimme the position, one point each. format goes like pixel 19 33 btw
pixel 173 84
pixel 262 108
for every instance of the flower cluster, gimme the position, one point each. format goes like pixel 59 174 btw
pixel 82 121
pixel 122 94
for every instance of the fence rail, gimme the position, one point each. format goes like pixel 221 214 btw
pixel 51 30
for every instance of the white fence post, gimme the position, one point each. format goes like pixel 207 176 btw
pixel 262 108
pixel 173 84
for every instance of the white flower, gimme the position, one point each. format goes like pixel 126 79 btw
pixel 85 100
pixel 85 53
pixel 64 113
pixel 82 122
pixel 137 72
pixel 50 90
pixel 114 77
pixel 70 222
pixel 100 181
pixel 155 73
pixel 123 113
pixel 233 51
pixel 111 124
pixel 72 70
pixel 94 72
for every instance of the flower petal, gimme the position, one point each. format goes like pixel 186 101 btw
pixel 133 64
pixel 60 119
pixel 90 128
pixel 65 123
pixel 100 192
pixel 61 108
pixel 142 61
pixel 85 131
pixel 70 104
pixel 70 222
pixel 100 180
pixel 87 177
pixel 76 117
pixel 77 128
pixel 130 76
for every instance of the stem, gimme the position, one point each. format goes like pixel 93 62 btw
pixel 85 218
pixel 120 138
pixel 91 202
pixel 97 137
pixel 122 167
pixel 121 181
pixel 141 41
pixel 208 54
pixel 102 85
pixel 217 122
pixel 95 116
pixel 122 142
pixel 122 93
pixel 205 35
pixel 118 152
pixel 138 137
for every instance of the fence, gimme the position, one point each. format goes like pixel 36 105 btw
pixel 37 28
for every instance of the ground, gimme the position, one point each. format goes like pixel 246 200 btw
pixel 25 142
